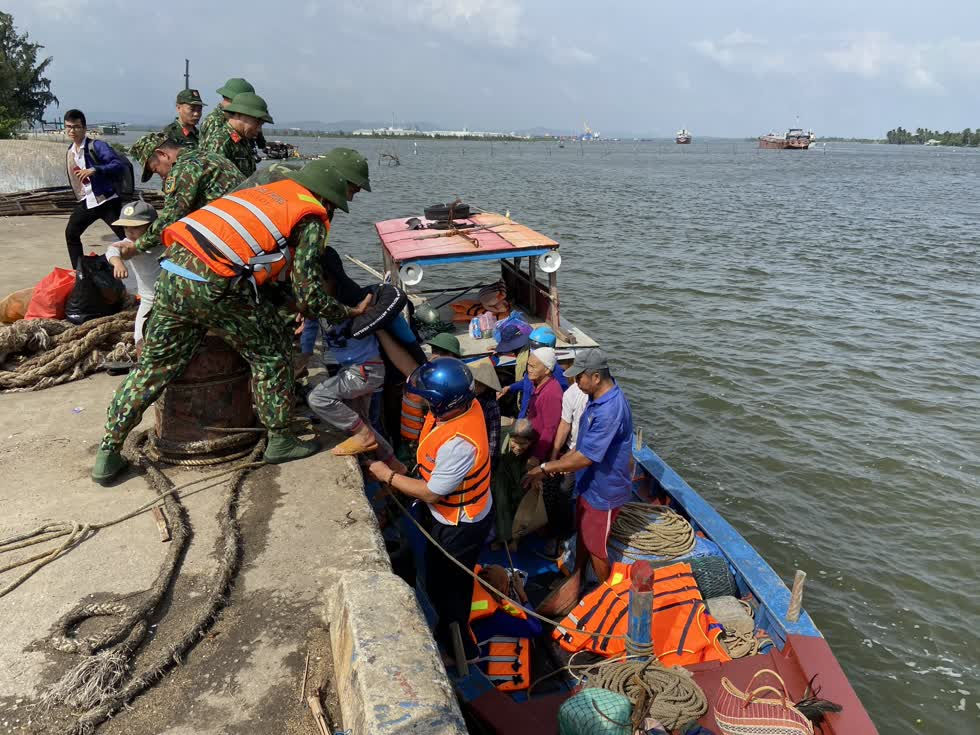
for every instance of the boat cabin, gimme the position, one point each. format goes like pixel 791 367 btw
pixel 415 250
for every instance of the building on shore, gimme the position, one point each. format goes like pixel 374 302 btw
pixel 464 133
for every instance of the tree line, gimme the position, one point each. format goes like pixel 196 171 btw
pixel 24 90
pixel 901 136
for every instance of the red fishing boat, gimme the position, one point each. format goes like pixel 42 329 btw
pixel 794 138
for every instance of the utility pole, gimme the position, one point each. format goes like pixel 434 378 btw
pixel 187 73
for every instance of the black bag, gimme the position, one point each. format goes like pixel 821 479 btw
pixel 124 184
pixel 97 291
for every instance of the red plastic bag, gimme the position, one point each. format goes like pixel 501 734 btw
pixel 50 295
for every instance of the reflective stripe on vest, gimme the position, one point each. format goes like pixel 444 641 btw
pixel 473 494
pixel 413 417
pixel 508 663
pixel 245 234
pixel 680 625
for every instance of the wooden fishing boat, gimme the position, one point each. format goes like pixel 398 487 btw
pixel 414 248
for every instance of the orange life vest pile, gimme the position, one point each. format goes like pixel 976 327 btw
pixel 507 661
pixel 683 632
pixel 492 298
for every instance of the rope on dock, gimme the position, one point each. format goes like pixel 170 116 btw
pixel 65 352
pixel 657 530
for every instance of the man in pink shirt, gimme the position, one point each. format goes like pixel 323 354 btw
pixel 544 410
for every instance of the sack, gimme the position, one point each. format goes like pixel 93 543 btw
pixel 50 294
pixel 748 713
pixel 97 291
pixel 123 183
pixel 14 306
pixel 531 513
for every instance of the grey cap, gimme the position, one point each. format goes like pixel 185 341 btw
pixel 588 361
pixel 135 214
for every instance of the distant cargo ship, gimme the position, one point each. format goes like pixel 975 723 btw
pixel 683 136
pixel 794 138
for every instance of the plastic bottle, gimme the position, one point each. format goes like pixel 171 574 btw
pixel 487 322
pixel 475 331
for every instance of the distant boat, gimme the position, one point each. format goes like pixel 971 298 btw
pixel 794 139
pixel 683 136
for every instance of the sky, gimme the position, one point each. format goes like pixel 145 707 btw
pixel 717 67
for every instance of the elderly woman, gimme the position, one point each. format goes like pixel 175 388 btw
pixel 544 410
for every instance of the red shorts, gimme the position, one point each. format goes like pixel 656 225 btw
pixel 594 526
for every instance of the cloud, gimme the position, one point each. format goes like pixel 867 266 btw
pixel 742 50
pixel 495 22
pixel 874 54
pixel 567 55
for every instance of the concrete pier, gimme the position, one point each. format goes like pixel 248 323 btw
pixel 315 579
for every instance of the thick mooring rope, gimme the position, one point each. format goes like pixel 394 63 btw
pixel 652 530
pixel 65 352
pixel 669 695
pixel 95 684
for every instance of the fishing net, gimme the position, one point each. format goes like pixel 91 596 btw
pixel 713 576
pixel 595 712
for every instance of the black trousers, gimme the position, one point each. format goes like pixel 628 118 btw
pixel 449 588
pixel 82 218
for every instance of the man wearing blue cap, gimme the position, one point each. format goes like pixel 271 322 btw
pixel 602 458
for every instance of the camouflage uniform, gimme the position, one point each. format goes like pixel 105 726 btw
pixel 187 135
pixel 195 179
pixel 224 141
pixel 184 310
pixel 215 120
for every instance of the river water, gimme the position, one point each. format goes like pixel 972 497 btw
pixel 799 336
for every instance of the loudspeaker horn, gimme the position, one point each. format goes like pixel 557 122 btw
pixel 410 274
pixel 550 261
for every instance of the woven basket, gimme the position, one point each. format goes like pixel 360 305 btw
pixel 747 713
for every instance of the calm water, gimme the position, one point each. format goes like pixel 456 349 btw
pixel 799 335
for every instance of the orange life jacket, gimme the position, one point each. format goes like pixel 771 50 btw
pixel 473 495
pixel 413 416
pixel 680 624
pixel 508 660
pixel 245 233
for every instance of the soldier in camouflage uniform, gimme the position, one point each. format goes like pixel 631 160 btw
pixel 191 179
pixel 216 118
pixel 191 298
pixel 184 129
pixel 245 115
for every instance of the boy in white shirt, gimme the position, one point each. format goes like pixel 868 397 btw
pixel 135 218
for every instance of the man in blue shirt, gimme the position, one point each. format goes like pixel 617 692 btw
pixel 602 458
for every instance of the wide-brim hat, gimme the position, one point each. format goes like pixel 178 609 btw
pixel 514 336
pixel 235 85
pixel 445 341
pixel 485 373
pixel 249 103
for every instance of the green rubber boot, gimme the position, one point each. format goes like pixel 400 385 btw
pixel 108 464
pixel 286 448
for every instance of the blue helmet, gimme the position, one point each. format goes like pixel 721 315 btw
pixel 445 383
pixel 543 337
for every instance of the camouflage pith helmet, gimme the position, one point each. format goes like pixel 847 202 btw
pixel 235 85
pixel 249 103
pixel 351 165
pixel 321 178
pixel 143 148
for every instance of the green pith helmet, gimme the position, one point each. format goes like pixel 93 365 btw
pixel 235 85
pixel 324 180
pixel 351 165
pixel 249 103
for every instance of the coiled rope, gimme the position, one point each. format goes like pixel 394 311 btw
pixel 65 352
pixel 647 529
pixel 741 643
pixel 668 695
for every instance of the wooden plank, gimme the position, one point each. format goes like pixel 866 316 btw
pixel 319 716
pixel 162 527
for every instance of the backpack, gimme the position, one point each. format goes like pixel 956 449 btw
pixel 124 183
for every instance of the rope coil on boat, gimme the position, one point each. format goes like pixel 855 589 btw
pixel 657 530
pixel 670 696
